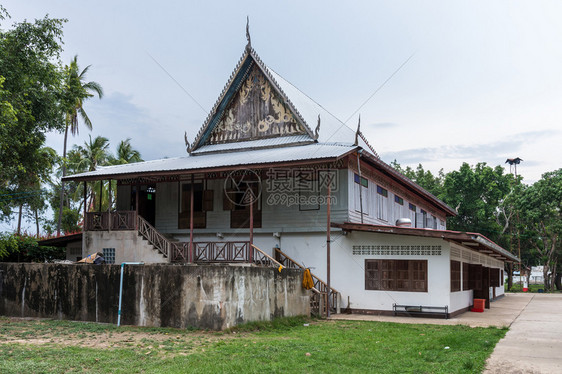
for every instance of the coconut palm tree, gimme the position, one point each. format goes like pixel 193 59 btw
pixel 76 92
pixel 126 154
pixel 92 154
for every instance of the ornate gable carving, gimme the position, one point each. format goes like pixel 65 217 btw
pixel 255 112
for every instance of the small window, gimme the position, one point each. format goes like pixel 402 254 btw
pixel 364 181
pixel 109 255
pixel 412 207
pixel 396 275
pixel 382 191
pixel 399 200
pixel 423 211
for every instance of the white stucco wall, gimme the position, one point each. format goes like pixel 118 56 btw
pixel 129 246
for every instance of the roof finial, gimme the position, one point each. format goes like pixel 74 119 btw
pixel 187 145
pixel 358 131
pixel 317 130
pixel 249 45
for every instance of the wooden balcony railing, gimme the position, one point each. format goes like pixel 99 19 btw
pixel 229 252
pixel 106 221
pixel 221 251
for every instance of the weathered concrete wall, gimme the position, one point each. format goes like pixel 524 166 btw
pixel 129 246
pixel 214 297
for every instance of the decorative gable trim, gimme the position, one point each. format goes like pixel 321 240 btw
pixel 237 78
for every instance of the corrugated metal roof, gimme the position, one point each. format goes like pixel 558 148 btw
pixel 215 160
pixel 253 144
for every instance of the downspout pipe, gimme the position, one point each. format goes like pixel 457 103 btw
pixel 359 152
pixel 121 288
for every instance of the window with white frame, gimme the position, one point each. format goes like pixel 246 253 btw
pixel 361 194
pixel 398 207
pixel 382 203
pixel 412 213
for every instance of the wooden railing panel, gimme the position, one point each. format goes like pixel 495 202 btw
pixel 319 284
pixel 221 251
pixel 123 220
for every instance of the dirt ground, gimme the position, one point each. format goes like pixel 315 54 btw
pixel 37 332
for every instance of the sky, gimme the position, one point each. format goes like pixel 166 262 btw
pixel 483 84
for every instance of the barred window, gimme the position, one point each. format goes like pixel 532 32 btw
pixel 396 275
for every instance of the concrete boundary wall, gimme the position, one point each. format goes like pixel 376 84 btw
pixel 209 296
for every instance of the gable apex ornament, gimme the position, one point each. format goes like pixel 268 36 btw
pixel 249 45
pixel 187 145
pixel 317 130
pixel 358 132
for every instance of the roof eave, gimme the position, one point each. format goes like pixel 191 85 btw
pixel 175 172
pixel 419 189
pixel 456 236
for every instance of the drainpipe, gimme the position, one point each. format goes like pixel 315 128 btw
pixel 121 288
pixel 360 185
pixel 328 240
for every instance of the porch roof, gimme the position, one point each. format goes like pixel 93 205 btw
pixel 471 240
pixel 212 161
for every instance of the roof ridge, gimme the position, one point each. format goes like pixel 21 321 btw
pixel 266 70
pixel 310 98
pixel 219 99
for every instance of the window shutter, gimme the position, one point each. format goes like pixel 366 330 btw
pixel 207 200
pixel 227 203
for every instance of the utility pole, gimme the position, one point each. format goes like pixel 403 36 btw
pixel 513 162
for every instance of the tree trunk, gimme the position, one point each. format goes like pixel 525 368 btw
pixel 547 284
pixel 61 203
pixel 37 222
pixel 19 219
pixel 558 281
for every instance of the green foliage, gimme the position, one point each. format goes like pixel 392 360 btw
pixel 30 103
pixel 540 207
pixel 26 249
pixel 126 154
pixel 425 178
pixel 476 192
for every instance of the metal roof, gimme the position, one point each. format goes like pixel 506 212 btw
pixel 198 162
pixel 255 144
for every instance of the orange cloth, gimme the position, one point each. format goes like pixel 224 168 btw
pixel 307 281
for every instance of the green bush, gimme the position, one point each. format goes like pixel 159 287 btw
pixel 24 248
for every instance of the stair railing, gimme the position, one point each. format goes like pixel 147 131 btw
pixel 321 288
pixel 159 241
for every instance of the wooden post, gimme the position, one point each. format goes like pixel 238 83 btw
pixel 101 195
pixel 84 224
pixel 137 204
pixel 109 205
pixel 328 239
pixel 252 230
pixel 191 198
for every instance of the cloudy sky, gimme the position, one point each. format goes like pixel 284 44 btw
pixel 484 82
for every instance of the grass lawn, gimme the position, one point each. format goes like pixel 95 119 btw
pixel 285 345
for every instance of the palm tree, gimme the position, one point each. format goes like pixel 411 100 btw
pixel 94 153
pixel 76 93
pixel 126 154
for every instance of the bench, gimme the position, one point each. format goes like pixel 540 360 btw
pixel 421 310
